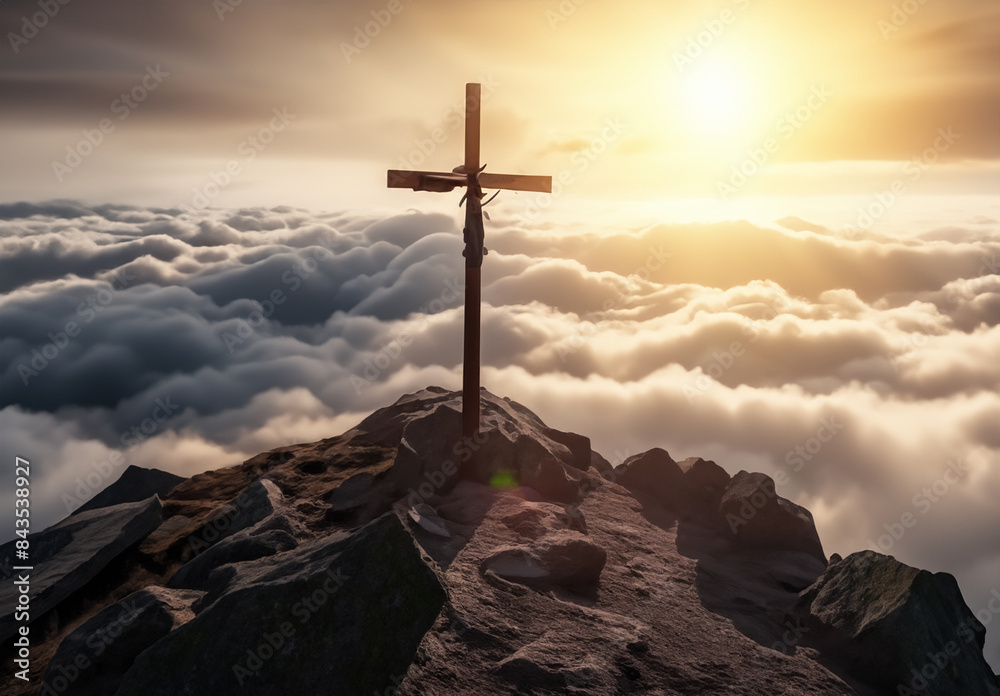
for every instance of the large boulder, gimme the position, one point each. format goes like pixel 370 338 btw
pixel 704 483
pixel 340 616
pixel 257 502
pixel 243 546
pixel 756 516
pixel 653 473
pixel 91 660
pixel 905 630
pixel 67 555
pixel 428 454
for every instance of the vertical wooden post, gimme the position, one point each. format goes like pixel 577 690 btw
pixel 470 368
pixel 473 102
pixel 473 271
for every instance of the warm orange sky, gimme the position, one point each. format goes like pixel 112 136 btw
pixel 843 94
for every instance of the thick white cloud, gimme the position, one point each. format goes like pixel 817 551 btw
pixel 856 371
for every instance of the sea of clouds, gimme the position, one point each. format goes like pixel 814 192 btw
pixel 861 370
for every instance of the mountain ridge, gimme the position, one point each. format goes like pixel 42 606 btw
pixel 517 560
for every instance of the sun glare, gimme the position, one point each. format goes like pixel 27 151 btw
pixel 716 97
pixel 721 100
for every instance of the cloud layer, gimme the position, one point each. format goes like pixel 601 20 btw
pixel 861 372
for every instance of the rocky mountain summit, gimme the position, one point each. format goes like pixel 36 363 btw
pixel 400 558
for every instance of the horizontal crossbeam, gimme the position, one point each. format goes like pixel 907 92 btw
pixel 426 181
pixel 516 182
pixel 447 181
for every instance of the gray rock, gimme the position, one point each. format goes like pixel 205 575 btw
pixel 535 520
pixel 241 547
pixel 257 502
pixel 341 616
pixel 524 461
pixel 514 447
pixel 579 667
pixel 552 579
pixel 69 554
pixel 692 488
pixel 426 518
pixel 898 628
pixel 563 557
pixel 133 485
pixel 704 484
pixel 653 473
pixel 426 457
pixel 353 494
pixel 603 466
pixel 92 659
pixel 756 516
pixel 468 503
pixel 578 446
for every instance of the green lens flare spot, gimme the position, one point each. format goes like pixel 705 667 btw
pixel 503 479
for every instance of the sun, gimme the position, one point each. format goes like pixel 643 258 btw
pixel 718 99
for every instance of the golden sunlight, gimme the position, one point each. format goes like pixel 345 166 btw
pixel 717 97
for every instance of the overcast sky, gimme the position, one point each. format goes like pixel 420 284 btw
pixel 774 240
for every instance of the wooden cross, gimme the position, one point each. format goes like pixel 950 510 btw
pixel 472 176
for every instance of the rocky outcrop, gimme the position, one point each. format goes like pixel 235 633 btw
pixel 561 558
pixel 400 557
pixel 92 660
pixel 200 572
pixel 898 628
pixel 692 488
pixel 653 473
pixel 756 516
pixel 704 484
pixel 257 502
pixel 69 554
pixel 342 616
pixel 133 485
pixel 514 447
